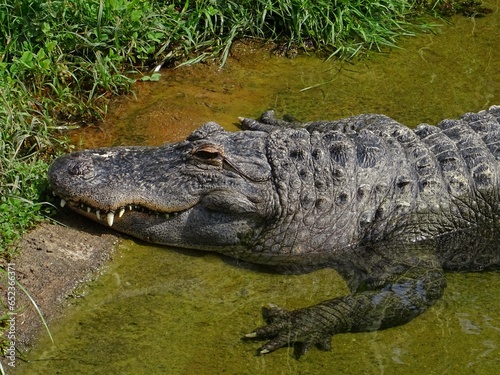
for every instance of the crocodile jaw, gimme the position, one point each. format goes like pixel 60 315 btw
pixel 111 216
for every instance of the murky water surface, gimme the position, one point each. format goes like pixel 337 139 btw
pixel 161 311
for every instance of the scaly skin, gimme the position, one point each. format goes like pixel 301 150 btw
pixel 388 207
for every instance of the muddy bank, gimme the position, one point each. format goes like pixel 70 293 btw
pixel 54 260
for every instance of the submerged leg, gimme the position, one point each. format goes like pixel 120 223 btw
pixel 399 300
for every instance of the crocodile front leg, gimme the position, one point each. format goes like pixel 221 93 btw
pixel 399 300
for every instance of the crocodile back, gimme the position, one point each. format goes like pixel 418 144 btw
pixel 368 179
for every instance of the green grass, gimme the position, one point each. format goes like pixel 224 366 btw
pixel 61 61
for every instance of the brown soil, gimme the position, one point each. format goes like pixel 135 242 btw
pixel 54 260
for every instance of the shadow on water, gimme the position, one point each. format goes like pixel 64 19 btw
pixel 157 311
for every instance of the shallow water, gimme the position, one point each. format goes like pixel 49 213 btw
pixel 157 310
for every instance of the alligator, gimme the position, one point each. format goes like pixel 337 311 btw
pixel 388 207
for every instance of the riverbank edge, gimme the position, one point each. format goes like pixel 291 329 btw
pixel 54 265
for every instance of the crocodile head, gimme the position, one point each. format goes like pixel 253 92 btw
pixel 210 192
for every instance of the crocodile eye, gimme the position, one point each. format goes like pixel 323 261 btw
pixel 206 155
pixel 209 154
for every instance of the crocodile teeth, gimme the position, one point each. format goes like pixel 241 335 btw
pixel 110 218
pixel 63 203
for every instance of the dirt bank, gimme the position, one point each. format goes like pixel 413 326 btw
pixel 54 260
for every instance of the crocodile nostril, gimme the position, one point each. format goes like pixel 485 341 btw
pixel 82 168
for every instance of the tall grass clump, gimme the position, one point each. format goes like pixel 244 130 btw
pixel 340 27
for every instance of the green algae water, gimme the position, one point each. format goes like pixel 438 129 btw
pixel 161 311
pixel 158 310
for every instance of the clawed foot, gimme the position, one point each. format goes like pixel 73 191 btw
pixel 268 121
pixel 300 328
